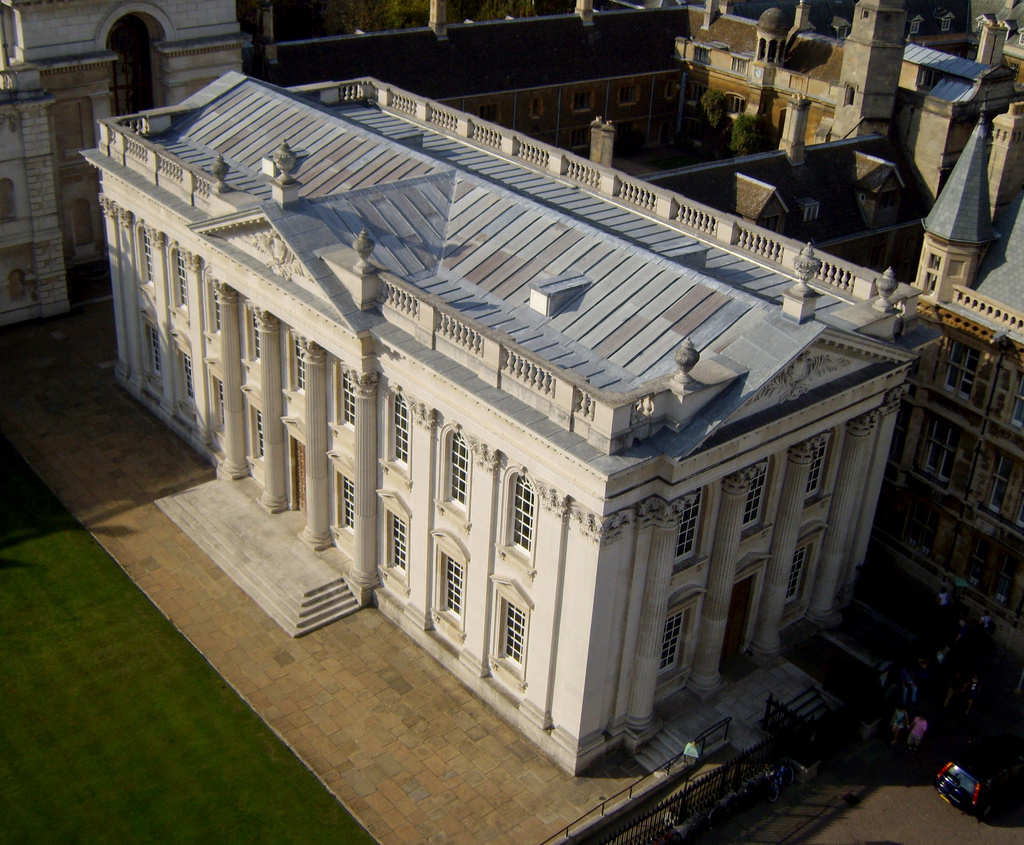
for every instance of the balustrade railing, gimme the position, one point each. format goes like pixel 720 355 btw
pixel 460 334
pixel 990 309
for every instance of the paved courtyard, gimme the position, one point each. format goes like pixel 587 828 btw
pixel 405 747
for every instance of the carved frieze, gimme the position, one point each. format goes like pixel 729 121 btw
pixel 487 458
pixel 552 501
pixel 270 246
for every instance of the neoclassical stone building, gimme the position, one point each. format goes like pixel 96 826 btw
pixel 580 438
pixel 63 65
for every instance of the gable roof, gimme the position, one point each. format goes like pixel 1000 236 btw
pixel 962 211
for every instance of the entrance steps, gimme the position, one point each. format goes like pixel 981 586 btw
pixel 298 588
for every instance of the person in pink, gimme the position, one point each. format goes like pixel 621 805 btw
pixel 918 728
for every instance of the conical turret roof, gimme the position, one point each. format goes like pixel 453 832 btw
pixel 963 212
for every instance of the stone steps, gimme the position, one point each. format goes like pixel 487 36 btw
pixel 262 554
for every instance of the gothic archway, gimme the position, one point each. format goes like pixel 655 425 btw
pixel 133 77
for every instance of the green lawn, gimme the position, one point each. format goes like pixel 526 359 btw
pixel 112 728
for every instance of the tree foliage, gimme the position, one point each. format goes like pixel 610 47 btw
pixel 747 136
pixel 712 108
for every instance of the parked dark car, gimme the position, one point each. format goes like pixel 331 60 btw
pixel 984 775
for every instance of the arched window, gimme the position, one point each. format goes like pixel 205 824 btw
pixel 81 222
pixel 8 201
pixel 458 469
pixel 133 78
pixel 400 422
pixel 522 513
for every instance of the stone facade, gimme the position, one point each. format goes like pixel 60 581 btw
pixel 55 89
pixel 573 535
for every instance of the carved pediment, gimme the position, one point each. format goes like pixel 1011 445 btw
pixel 269 247
pixel 811 368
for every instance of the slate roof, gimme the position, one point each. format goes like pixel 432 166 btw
pixel 962 211
pixel 493 55
pixel 999 276
pixel 832 174
pixel 826 14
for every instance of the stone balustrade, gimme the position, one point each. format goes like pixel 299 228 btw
pixel 989 309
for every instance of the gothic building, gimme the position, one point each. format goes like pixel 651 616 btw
pixel 580 438
pixel 63 65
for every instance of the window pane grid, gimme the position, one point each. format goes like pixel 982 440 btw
pixel 1018 404
pixel 522 514
pixel 795 571
pixel 453 585
pixel 670 641
pixel 941 449
pixel 182 279
pixel 401 430
pixel 348 400
pixel 300 367
pixel 348 502
pixel 259 434
pixel 154 349
pixel 459 469
pixel 963 361
pixel 186 366
pixel 515 633
pixel 921 527
pixel 255 338
pixel 752 507
pixel 147 253
pixel 1000 481
pixel 814 471
pixel 686 539
pixel 399 543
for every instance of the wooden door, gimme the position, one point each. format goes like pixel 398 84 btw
pixel 739 607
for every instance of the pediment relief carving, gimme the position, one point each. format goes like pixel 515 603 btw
pixel 271 249
pixel 811 368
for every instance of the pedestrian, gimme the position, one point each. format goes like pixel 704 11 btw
pixel 918 728
pixel 973 688
pixel 961 631
pixel 985 622
pixel 943 597
pixel 898 723
pixel 909 684
pixel 956 688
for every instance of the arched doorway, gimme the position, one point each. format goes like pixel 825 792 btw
pixel 133 77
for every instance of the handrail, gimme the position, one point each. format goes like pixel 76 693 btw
pixel 700 740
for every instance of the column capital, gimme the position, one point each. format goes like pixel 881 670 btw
pixel 266 321
pixel 225 294
pixel 863 425
pixel 366 385
pixel 892 398
pixel 803 452
pixel 158 238
pixel 109 207
pixel 486 457
pixel 653 510
pixel 311 351
pixel 422 414
pixel 552 501
pixel 195 262
pixel 738 483
pixel 126 218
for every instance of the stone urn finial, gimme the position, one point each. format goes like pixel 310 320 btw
pixel 219 169
pixel 686 357
pixel 886 288
pixel 806 265
pixel 285 160
pixel 363 245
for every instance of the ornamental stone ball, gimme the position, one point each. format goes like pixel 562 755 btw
pixel 285 160
pixel 686 357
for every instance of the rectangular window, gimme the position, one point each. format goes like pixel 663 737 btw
pixel 536 107
pixel 740 66
pixel 771 222
pixel 735 104
pixel 1017 417
pixel 400 420
pixel 940 448
pixel 694 91
pixel 702 55
pixel 927 77
pixel 348 502
pixel 978 561
pixel 887 199
pixel 686 539
pixel 811 210
pixel 348 399
pixel 814 471
pixel 182 280
pixel 1000 481
pixel 915 27
pixel 399 545
pixel 1004 581
pixel 514 641
pixel 522 514
pixel 627 95
pixel 147 255
pixel 257 430
pixel 255 338
pixel 300 365
pixel 488 111
pixel 458 462
pixel 219 393
pixel 921 527
pixel 899 435
pixel 944 24
pixel 453 584
pixel 578 137
pixel 755 494
pixel 796 571
pixel 670 637
pixel 581 101
pixel 154 349
pixel 216 313
pixel 186 368
pixel 960 369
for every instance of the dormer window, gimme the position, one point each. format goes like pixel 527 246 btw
pixel 915 26
pixel 927 77
pixel 944 22
pixel 888 198
pixel 809 207
pixel 842 30
pixel 739 66
pixel 702 55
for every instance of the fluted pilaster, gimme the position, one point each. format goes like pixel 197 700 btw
pixel 364 575
pixel 234 465
pixel 317 532
pixel 275 493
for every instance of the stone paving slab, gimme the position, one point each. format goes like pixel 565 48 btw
pixel 411 753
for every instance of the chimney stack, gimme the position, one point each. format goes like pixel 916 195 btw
pixel 265 31
pixel 802 21
pixel 795 130
pixel 439 17
pixel 602 142
pixel 991 42
pixel 1006 157
pixel 585 9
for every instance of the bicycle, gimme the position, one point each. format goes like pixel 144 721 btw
pixel 780 775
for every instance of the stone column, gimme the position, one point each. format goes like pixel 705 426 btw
pixel 130 279
pixel 663 528
pixel 118 288
pixel 483 517
pixel 169 361
pixel 846 498
pixel 721 574
pixel 234 465
pixel 197 327
pixel 275 494
pixel 363 577
pixel 784 537
pixel 317 532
